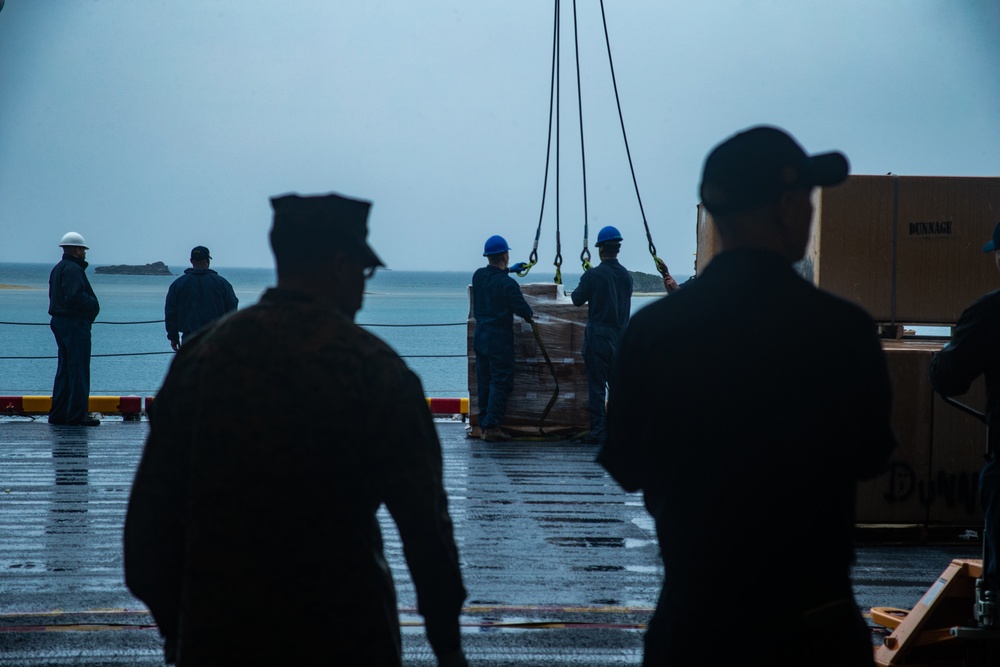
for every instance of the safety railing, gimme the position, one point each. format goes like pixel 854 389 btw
pixel 126 404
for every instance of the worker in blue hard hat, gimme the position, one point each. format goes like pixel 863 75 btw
pixel 607 289
pixel 496 298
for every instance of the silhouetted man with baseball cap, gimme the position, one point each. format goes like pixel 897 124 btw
pixel 197 298
pixel 746 407
pixel 278 434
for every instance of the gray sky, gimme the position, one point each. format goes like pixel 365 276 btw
pixel 150 127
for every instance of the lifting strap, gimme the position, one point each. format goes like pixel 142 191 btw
pixel 552 370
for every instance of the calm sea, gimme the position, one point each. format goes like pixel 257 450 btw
pixel 139 354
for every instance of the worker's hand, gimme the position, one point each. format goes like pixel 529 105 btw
pixel 175 345
pixel 517 268
pixel 670 284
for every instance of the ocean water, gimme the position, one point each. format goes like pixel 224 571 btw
pixel 423 301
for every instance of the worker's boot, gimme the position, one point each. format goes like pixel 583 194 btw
pixel 494 434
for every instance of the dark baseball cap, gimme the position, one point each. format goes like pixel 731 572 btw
pixel 754 167
pixel 329 220
pixel 200 252
pixel 994 243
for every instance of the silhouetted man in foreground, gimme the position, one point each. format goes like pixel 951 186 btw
pixel 746 406
pixel 251 531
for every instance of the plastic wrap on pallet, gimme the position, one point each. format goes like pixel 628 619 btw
pixel 561 326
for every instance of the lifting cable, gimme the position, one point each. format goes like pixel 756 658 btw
pixel 533 259
pixel 585 253
pixel 554 89
pixel 660 264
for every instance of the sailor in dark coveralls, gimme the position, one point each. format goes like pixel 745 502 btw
pixel 607 289
pixel 974 350
pixel 746 407
pixel 279 432
pixel 73 307
pixel 496 298
pixel 197 298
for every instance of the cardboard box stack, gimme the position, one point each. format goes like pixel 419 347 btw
pixel 560 326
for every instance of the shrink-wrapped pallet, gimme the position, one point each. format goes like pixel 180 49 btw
pixel 560 326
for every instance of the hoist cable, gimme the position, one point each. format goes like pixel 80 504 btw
pixel 533 259
pixel 558 261
pixel 660 264
pixel 585 253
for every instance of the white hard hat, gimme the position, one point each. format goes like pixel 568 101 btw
pixel 73 239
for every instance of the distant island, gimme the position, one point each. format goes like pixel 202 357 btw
pixel 154 269
pixel 646 283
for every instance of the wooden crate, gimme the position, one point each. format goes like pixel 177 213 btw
pixel 561 326
pixel 905 248
pixel 958 443
pixel 933 477
pixel 892 497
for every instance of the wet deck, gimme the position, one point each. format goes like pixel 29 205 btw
pixel 561 565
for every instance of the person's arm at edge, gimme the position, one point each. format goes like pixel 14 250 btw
pixel 516 300
pixel 581 294
pixel 153 533
pixel 232 303
pixel 415 497
pixel 76 297
pixel 619 451
pixel 170 316
pixel 964 358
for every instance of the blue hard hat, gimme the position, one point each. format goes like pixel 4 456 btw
pixel 608 234
pixel 495 245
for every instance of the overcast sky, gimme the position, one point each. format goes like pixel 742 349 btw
pixel 150 126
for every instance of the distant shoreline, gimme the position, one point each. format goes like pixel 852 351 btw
pixel 17 287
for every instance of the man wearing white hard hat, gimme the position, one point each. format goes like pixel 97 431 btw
pixel 73 307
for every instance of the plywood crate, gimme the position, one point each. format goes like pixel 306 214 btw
pixel 561 326
pixel 887 498
pixel 933 476
pixel 958 443
pixel 905 248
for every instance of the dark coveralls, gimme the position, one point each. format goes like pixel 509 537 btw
pixel 195 300
pixel 252 531
pixel 496 298
pixel 73 307
pixel 974 350
pixel 746 407
pixel 607 289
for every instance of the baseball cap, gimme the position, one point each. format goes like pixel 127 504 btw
pixel 329 220
pixel 200 252
pixel 993 243
pixel 755 166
